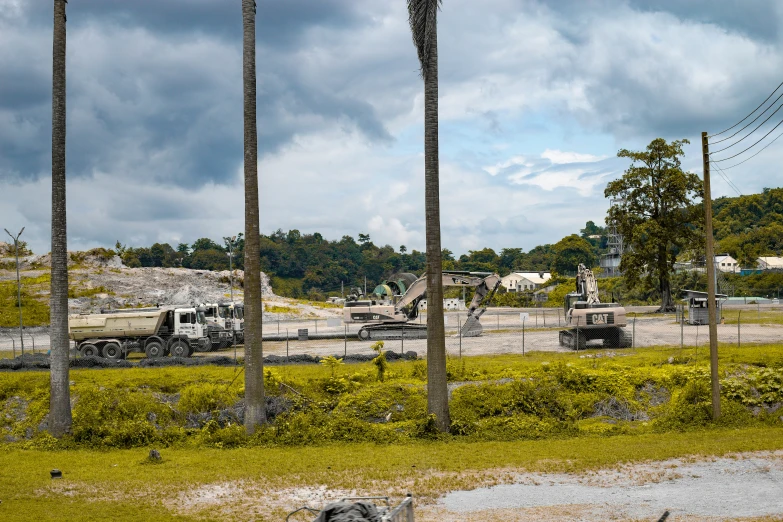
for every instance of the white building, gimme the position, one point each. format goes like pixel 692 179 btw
pixel 770 263
pixel 726 263
pixel 525 281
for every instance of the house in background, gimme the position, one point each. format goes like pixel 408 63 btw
pixel 770 263
pixel 726 263
pixel 525 281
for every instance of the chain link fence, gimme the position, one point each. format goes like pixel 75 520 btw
pixel 504 331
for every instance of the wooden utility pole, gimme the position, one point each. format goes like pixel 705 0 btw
pixel 711 302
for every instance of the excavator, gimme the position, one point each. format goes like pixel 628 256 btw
pixel 588 318
pixel 392 317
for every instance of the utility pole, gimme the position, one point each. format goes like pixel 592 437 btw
pixel 18 285
pixel 710 254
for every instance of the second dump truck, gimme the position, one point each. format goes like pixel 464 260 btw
pixel 155 331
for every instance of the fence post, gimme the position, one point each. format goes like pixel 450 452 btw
pixel 758 310
pixel 543 315
pixel 536 309
pixel 345 339
pixel 577 332
pixel 633 334
pixel 682 328
pixel 739 328
pixel 558 317
pixel 278 327
pixel 523 336
pixel 286 345
pixel 316 325
pixel 498 316
pixel 459 325
pixel 402 340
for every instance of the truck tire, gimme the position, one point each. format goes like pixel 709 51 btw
pixel 112 351
pixel 154 349
pixel 90 350
pixel 179 348
pixel 204 347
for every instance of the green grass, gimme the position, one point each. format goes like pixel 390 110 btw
pixel 35 301
pixel 119 484
pixel 532 412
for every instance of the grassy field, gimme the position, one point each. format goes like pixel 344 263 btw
pixel 353 428
pixel 123 485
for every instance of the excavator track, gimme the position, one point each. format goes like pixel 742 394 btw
pixel 392 331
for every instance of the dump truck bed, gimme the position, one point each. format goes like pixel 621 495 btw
pixel 124 324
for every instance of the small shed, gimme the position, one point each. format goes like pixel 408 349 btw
pixel 698 312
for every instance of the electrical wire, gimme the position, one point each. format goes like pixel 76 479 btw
pixel 737 154
pixel 751 132
pixel 725 177
pixel 751 123
pixel 754 155
pixel 749 115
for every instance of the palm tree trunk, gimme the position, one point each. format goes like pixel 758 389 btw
pixel 255 405
pixel 60 419
pixel 437 393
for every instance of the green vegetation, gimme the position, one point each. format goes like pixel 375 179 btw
pixel 35 306
pixel 509 397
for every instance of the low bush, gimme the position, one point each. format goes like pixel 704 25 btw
pixel 500 398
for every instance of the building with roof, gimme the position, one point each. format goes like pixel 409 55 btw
pixel 525 281
pixel 770 263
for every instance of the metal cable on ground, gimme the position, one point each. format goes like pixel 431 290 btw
pixel 749 115
pixel 751 132
pixel 737 154
pixel 754 155
pixel 751 123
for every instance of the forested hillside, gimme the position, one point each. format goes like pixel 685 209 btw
pixel 750 226
pixel 308 264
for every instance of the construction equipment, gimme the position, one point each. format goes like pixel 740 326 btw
pixel 391 318
pixel 154 331
pixel 237 311
pixel 219 327
pixel 588 318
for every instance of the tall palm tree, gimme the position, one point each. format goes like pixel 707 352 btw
pixel 255 404
pixel 422 16
pixel 60 418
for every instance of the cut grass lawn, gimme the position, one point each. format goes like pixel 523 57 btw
pixel 121 484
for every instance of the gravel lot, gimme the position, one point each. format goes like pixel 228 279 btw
pixel 738 487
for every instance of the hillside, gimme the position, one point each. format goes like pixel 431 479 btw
pixel 99 281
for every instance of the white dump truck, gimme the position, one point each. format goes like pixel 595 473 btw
pixel 219 325
pixel 155 331
pixel 237 313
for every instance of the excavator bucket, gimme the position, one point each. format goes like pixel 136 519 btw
pixel 472 327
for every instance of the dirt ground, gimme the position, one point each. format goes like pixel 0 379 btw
pixel 736 487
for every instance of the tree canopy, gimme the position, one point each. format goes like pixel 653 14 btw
pixel 655 210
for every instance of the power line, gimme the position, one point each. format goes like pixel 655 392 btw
pixel 751 123
pixel 754 155
pixel 727 180
pixel 737 154
pixel 749 115
pixel 751 132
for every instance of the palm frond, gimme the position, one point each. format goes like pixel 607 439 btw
pixel 422 17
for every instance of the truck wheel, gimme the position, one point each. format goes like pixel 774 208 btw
pixel 153 349
pixel 112 351
pixel 205 346
pixel 179 349
pixel 90 350
pixel 364 334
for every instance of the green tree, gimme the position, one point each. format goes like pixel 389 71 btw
pixel 60 417
pixel 656 214
pixel 422 16
pixel 255 404
pixel 569 252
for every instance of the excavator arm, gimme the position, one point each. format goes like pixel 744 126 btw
pixel 587 285
pixel 485 284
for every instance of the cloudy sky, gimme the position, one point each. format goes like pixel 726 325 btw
pixel 535 100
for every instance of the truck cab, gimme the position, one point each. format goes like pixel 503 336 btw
pixel 219 326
